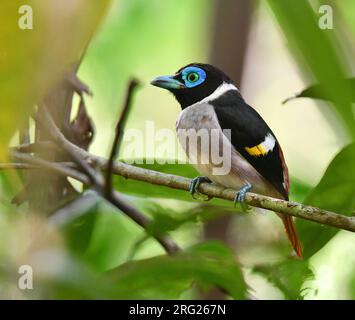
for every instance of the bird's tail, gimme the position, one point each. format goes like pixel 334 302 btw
pixel 291 233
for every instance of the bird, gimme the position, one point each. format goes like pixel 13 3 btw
pixel 212 103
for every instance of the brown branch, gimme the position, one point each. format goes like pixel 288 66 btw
pixel 74 82
pixel 24 132
pixel 57 167
pixel 132 85
pixel 27 166
pixel 96 179
pixel 45 118
pixel 16 166
pixel 212 190
pixel 36 147
pixel 177 182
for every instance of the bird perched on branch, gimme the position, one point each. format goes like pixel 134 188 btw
pixel 252 157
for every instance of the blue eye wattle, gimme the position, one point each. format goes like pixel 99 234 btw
pixel 193 76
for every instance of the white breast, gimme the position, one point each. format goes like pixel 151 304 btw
pixel 201 117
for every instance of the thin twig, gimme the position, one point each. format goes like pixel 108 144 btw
pixel 27 166
pixel 46 120
pixel 132 85
pixel 78 86
pixel 116 199
pixel 36 147
pixel 172 181
pixel 55 166
pixel 96 179
pixel 16 166
pixel 24 132
pixel 215 191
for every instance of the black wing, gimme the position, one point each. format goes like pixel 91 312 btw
pixel 248 130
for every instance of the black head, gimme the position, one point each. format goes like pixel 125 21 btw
pixel 192 83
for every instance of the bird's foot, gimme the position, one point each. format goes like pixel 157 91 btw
pixel 240 196
pixel 193 189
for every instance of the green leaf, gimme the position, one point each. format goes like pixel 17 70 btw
pixel 321 91
pixel 10 183
pixel 166 219
pixel 346 9
pixel 169 276
pixel 112 238
pixel 335 192
pixel 351 286
pixel 288 276
pixel 162 277
pixel 299 23
pixel 73 281
pixel 299 190
pixel 78 233
pixel 32 60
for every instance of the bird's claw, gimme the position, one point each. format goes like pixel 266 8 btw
pixel 193 189
pixel 240 196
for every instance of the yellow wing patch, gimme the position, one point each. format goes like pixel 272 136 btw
pixel 263 148
pixel 257 151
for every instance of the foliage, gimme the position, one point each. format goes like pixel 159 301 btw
pixel 307 40
pixel 101 253
pixel 335 192
pixel 41 54
pixel 288 276
pixel 167 277
pixel 321 91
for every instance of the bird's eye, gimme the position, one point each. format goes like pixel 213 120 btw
pixel 193 77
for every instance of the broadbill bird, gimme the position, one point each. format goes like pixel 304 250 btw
pixel 213 105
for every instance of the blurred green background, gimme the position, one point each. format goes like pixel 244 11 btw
pixel 272 49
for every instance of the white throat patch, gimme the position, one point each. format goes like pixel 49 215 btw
pixel 223 88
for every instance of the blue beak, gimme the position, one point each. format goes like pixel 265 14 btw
pixel 167 82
